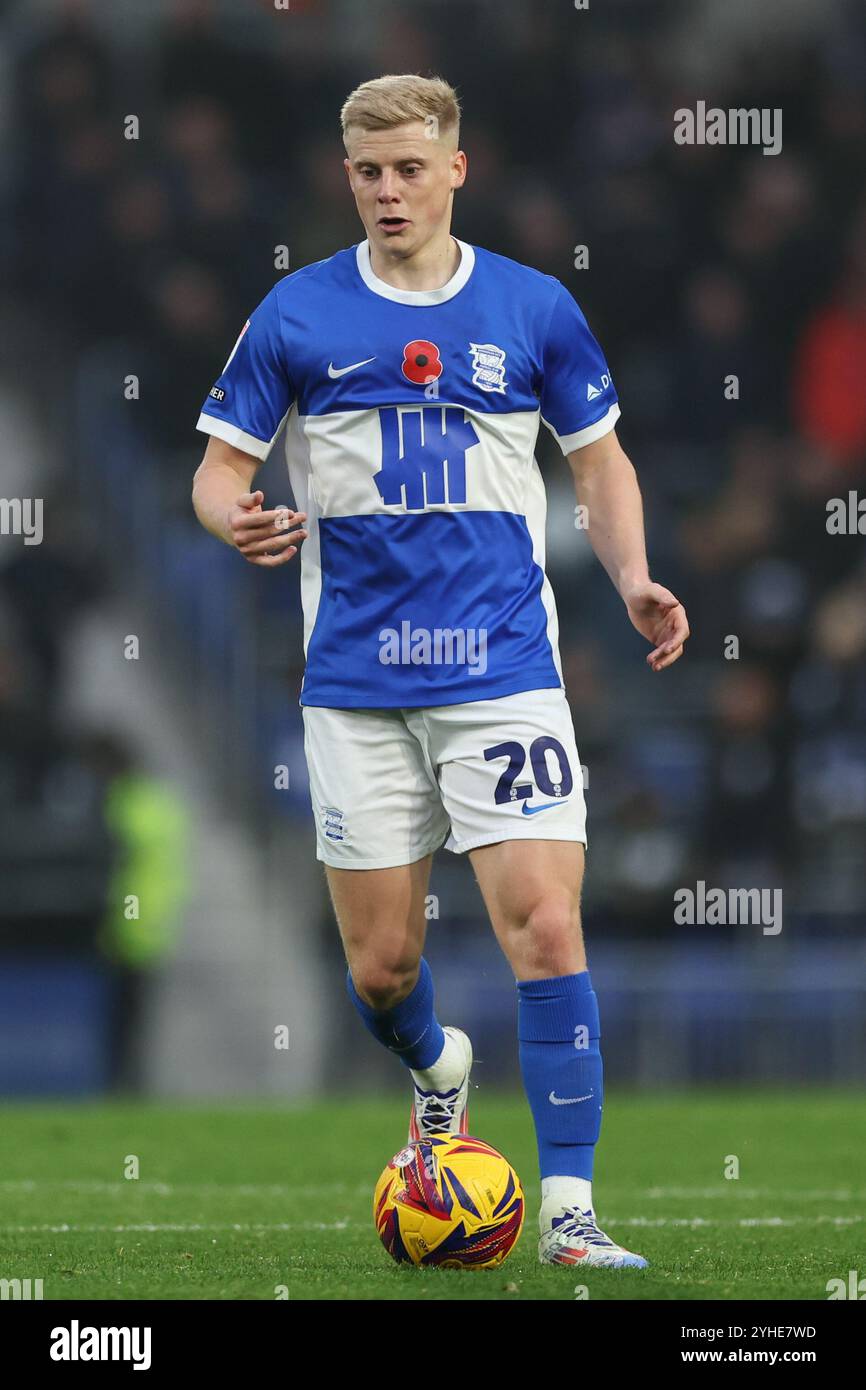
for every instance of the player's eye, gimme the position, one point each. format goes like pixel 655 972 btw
pixel 412 169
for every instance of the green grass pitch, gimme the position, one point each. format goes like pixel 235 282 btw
pixel 234 1201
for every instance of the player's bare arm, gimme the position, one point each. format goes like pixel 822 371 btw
pixel 606 485
pixel 225 506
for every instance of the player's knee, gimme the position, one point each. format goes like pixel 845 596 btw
pixel 383 984
pixel 550 932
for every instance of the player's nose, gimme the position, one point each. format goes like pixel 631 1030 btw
pixel 388 190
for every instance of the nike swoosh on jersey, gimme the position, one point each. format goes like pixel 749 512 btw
pixel 567 1100
pixel 334 372
pixel 531 810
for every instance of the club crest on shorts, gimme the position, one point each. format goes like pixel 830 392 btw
pixel 488 367
pixel 332 823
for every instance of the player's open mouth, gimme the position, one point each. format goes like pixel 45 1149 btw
pixel 393 224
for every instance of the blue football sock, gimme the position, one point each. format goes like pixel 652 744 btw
pixel 558 1032
pixel 411 1029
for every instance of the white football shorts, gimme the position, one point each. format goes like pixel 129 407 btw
pixel 389 786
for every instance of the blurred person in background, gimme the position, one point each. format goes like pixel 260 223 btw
pixel 148 823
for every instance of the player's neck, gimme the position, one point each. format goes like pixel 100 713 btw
pixel 429 268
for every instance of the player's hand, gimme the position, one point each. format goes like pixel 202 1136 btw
pixel 661 619
pixel 264 538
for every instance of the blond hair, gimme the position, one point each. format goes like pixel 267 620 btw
pixel 393 100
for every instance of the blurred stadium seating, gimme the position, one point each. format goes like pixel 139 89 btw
pixel 142 258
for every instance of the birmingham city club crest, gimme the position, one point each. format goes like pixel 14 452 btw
pixel 488 366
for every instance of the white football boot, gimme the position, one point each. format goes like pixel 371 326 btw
pixel 570 1236
pixel 440 1103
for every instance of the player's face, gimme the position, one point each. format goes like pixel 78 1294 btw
pixel 402 181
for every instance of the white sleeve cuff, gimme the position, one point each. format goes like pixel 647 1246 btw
pixel 222 429
pixel 588 435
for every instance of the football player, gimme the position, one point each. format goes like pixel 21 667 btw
pixel 411 372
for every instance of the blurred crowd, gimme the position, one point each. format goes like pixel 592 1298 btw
pixel 708 266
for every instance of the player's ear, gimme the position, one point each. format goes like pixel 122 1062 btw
pixel 348 168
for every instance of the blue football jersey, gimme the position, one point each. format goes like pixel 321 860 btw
pixel 411 419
